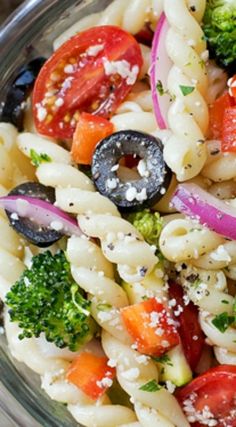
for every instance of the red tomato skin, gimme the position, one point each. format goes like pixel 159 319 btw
pixel 216 389
pixel 228 143
pixel 189 326
pixel 88 88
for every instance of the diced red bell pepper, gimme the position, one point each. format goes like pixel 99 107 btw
pixel 91 374
pixel 228 142
pixel 151 326
pixel 216 114
pixel 89 131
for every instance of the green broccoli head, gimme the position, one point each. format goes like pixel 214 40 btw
pixel 149 224
pixel 219 26
pixel 47 299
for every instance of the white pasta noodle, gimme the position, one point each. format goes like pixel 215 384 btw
pixel 160 407
pixel 131 16
pixel 182 239
pixel 185 151
pixel 208 290
pixel 98 215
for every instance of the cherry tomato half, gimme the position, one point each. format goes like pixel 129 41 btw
pixel 189 328
pixel 210 399
pixel 92 72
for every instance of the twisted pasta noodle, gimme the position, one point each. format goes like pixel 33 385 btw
pixel 185 151
pixel 131 16
pixel 223 190
pixel 159 409
pixel 183 239
pixel 219 166
pixel 209 292
pixel 224 255
pixel 14 167
pixel 99 216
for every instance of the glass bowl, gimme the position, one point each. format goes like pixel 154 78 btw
pixel 29 33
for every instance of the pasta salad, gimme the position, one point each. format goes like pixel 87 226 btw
pixel 118 215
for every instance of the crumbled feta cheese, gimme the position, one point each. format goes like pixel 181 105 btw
pixel 205 55
pixel 105 382
pixel 59 102
pixel 94 50
pixel 131 194
pixel 115 168
pixel 142 195
pixel 69 69
pixel 56 225
pixel 14 216
pixel 142 359
pixel 142 168
pixel 123 68
pixel 170 386
pixel 111 363
pixel 41 113
pixel 104 316
pixel 220 254
pixel 155 319
pixel 111 183
pixel 131 374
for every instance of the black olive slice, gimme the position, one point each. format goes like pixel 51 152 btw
pixel 155 176
pixel 19 91
pixel 36 234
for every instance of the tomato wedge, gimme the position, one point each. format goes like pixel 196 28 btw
pixel 189 328
pixel 92 72
pixel 210 399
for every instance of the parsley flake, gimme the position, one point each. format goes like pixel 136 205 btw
pixel 160 88
pixel 186 90
pixel 222 321
pixel 151 386
pixel 37 159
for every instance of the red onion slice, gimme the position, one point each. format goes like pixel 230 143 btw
pixel 216 214
pixel 41 212
pixel 160 67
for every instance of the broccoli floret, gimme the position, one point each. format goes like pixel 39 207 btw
pixel 47 299
pixel 149 224
pixel 219 26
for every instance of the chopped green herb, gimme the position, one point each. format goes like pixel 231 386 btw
pixel 104 307
pixel 224 301
pixel 186 90
pixel 160 88
pixel 163 359
pixel 222 321
pixel 37 159
pixel 151 386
